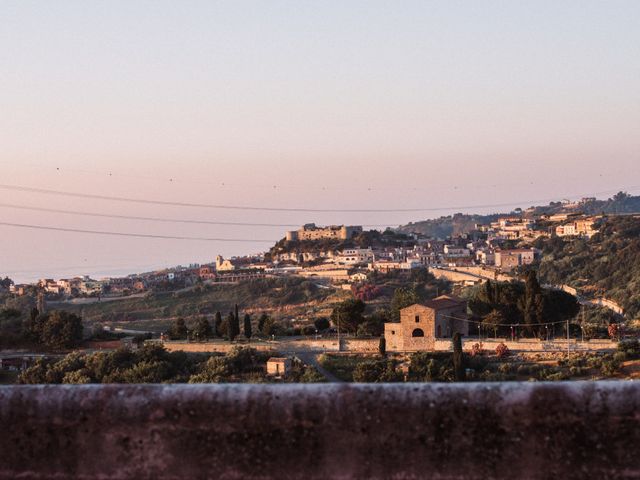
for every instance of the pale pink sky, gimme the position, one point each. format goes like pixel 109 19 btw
pixel 339 104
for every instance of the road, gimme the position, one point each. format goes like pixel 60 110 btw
pixel 311 358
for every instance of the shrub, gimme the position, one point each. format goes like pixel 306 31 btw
pixel 376 371
pixel 630 347
pixel 476 349
pixel 609 367
pixel 507 368
pixel 613 330
pixel 502 350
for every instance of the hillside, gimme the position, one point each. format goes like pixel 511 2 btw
pixel 278 296
pixel 460 223
pixel 366 239
pixel 608 264
pixel 446 226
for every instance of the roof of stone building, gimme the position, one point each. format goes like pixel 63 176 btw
pixel 277 359
pixel 444 301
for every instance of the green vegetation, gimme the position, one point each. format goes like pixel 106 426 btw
pixel 606 265
pixel 366 239
pixel 447 226
pixel 347 316
pixel 525 304
pixel 342 366
pixel 460 223
pixel 261 294
pixel 56 330
pixel 153 364
pixel 377 371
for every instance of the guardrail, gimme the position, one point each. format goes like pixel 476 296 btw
pixel 453 431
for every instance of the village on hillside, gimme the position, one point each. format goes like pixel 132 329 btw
pixel 344 255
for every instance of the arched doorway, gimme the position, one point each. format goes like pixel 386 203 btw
pixel 417 333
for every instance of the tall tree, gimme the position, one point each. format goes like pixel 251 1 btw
pixel 403 297
pixel 321 324
pixel 261 322
pixel 493 320
pixel 179 330
pixel 232 326
pixel 203 329
pixel 458 358
pixel 533 302
pixel 348 315
pixel 217 324
pixel 59 330
pixel 247 326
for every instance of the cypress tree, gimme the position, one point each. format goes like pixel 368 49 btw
pixel 247 326
pixel 458 358
pixel 382 346
pixel 261 321
pixel 231 327
pixel 217 324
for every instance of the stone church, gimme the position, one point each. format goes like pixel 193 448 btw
pixel 422 324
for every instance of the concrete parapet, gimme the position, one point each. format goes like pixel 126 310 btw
pixel 405 431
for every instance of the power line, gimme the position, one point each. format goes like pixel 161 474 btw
pixel 263 208
pixel 137 235
pixel 504 324
pixel 154 219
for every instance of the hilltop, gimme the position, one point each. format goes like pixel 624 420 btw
pixel 460 223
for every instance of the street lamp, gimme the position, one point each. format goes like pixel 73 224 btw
pixel 547 328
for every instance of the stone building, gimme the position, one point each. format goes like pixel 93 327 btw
pixel 312 232
pixel 422 324
pixel 279 366
pixel 509 259
pixel 223 265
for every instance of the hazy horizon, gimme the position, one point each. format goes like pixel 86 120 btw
pixel 318 105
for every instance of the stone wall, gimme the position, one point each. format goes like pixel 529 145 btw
pixel 364 345
pixel 371 345
pixel 213 347
pixel 535 431
pixel 531 345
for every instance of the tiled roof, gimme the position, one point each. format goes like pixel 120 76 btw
pixel 443 301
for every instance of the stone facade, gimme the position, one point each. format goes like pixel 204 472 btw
pixel 421 325
pixel 312 232
pixel 278 366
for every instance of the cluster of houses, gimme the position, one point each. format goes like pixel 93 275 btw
pixel 489 246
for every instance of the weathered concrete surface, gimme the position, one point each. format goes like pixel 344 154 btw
pixel 438 431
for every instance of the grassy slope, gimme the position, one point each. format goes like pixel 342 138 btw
pixel 276 296
pixel 608 264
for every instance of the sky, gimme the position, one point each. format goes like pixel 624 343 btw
pixel 443 105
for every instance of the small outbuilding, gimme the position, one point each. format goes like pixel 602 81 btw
pixel 278 366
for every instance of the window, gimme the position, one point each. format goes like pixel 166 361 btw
pixel 393 332
pixel 417 318
pixel 417 333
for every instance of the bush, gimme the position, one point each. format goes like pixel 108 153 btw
pixel 630 347
pixel 476 349
pixel 502 350
pixel 610 367
pixel 376 371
